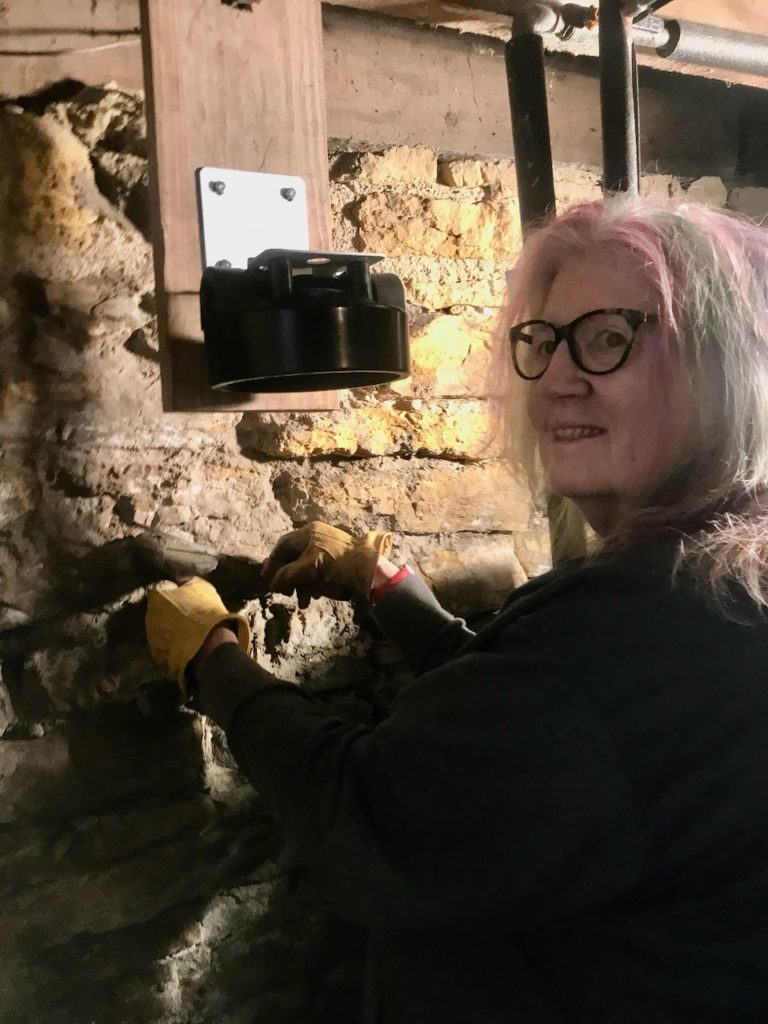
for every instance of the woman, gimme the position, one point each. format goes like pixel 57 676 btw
pixel 565 817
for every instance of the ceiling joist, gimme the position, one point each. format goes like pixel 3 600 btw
pixel 85 26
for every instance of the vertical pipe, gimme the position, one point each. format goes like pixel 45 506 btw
pixel 527 84
pixel 618 100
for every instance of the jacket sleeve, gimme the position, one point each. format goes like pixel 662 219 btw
pixel 424 632
pixel 491 794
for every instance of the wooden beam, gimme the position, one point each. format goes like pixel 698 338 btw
pixel 23 76
pixel 739 15
pixel 229 88
pixel 68 16
pixel 100 15
pixel 449 93
pixel 91 41
pixel 20 76
pixel 391 81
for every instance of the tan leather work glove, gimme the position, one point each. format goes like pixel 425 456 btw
pixel 179 619
pixel 321 554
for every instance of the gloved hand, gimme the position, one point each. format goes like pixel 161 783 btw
pixel 321 554
pixel 179 620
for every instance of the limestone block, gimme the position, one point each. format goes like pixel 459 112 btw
pixel 123 172
pixel 23 564
pixel 320 645
pixel 68 563
pixel 266 952
pixel 123 179
pixel 480 230
pixel 449 429
pixel 439 283
pixel 709 190
pixel 450 355
pixel 57 225
pixel 45 179
pixel 91 763
pixel 533 548
pixel 406 496
pixel 469 574
pixel 7 713
pixel 86 667
pixel 84 372
pixel 575 185
pixel 663 185
pixel 460 173
pixel 752 202
pixel 396 224
pixel 398 163
pixel 95 842
pixel 78 296
pixel 219 499
pixel 101 901
pixel 125 308
pixel 401 225
pixel 477 173
pixel 17 399
pixel 343 230
pixel 28 774
pixel 111 119
pixel 17 491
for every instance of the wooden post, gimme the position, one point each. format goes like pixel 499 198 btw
pixel 227 87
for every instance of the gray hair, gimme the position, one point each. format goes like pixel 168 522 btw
pixel 710 269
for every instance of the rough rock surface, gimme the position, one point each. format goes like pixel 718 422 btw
pixel 142 878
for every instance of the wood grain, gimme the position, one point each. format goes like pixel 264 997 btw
pixel 228 88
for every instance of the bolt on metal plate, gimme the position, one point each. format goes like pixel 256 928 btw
pixel 242 213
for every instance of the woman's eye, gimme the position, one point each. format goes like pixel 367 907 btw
pixel 610 339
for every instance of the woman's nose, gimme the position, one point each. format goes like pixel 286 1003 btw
pixel 563 377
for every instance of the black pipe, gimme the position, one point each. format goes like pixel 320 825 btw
pixel 618 101
pixel 524 55
pixel 692 43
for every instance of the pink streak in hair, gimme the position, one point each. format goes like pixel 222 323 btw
pixel 630 223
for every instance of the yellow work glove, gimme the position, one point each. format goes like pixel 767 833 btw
pixel 179 619
pixel 318 553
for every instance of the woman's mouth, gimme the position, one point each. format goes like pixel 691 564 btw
pixel 576 433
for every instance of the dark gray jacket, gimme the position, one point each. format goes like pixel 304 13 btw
pixel 565 817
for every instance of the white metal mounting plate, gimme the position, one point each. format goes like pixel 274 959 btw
pixel 242 213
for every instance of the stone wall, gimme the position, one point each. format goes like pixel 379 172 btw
pixel 141 879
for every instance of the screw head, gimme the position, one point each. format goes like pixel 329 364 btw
pixel 224 264
pixel 218 187
pixel 288 193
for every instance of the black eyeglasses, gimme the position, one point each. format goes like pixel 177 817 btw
pixel 599 341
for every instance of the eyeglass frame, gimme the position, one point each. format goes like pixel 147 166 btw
pixel 565 332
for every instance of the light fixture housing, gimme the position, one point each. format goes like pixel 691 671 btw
pixel 297 320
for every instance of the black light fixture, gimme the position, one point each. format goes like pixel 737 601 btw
pixel 290 319
pixel 303 321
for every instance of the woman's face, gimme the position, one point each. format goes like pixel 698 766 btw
pixel 607 441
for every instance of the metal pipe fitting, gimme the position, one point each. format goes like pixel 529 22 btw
pixel 691 43
pixel 537 19
pixel 651 33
